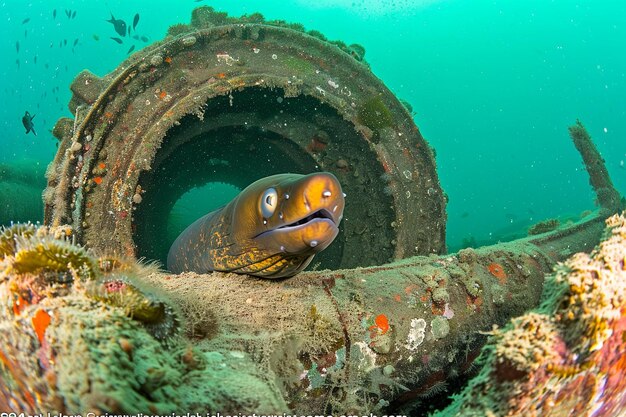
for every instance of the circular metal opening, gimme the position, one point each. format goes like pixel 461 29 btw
pixel 233 104
pixel 252 134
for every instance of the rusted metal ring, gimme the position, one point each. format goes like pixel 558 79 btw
pixel 316 105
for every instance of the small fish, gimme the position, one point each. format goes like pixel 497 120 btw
pixel 135 20
pixel 68 13
pixel 60 44
pixel 54 14
pixel 26 20
pixel 75 42
pixel 35 59
pixel 118 24
pixel 27 121
pixel 96 37
pixel 51 44
pixel 25 32
pixel 17 46
pixel 198 1
pixel 17 62
pixel 118 40
pixel 64 42
pixel 136 37
pixel 144 39
pixel 131 49
pixel 47 65
pixel 73 14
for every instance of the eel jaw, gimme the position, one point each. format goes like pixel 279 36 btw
pixel 319 214
pixel 309 235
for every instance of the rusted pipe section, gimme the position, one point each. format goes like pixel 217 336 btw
pixel 353 340
pixel 582 237
pixel 356 339
pixel 363 339
pixel 251 98
pixel 608 197
pixel 359 339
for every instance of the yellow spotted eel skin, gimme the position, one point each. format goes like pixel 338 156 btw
pixel 272 229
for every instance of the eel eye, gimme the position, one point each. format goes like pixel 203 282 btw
pixel 268 202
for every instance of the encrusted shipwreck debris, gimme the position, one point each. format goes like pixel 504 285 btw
pixel 566 357
pixel 86 333
pixel 83 332
pixel 226 99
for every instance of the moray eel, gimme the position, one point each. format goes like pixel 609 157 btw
pixel 272 229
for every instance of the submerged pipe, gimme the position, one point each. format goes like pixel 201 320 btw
pixel 608 197
pixel 384 337
pixel 355 340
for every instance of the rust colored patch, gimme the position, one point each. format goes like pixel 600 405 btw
pixel 102 165
pixel 397 297
pixel 108 115
pixel 98 180
pixel 221 75
pixel 41 320
pixel 329 282
pixel 409 289
pixel 497 271
pixel 382 323
pixel 437 311
pixel 19 305
pixel 168 59
pixel 162 94
pixel 327 360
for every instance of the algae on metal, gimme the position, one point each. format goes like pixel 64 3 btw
pixel 360 340
pixel 367 339
pixel 565 357
pixel 77 344
pixel 265 85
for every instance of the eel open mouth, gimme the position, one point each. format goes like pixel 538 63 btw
pixel 319 214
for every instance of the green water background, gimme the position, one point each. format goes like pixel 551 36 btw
pixel 494 85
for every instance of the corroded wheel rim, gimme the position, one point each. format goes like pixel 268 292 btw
pixel 318 106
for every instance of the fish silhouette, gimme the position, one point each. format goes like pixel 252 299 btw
pixel 118 24
pixel 27 121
